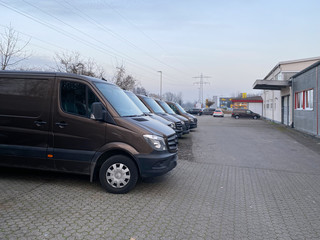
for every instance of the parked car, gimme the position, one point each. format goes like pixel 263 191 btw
pixel 195 111
pixel 244 113
pixel 193 121
pixel 218 113
pixel 78 124
pixel 208 111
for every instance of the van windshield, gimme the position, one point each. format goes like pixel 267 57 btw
pixel 138 102
pixel 166 107
pixel 154 105
pixel 180 108
pixel 119 100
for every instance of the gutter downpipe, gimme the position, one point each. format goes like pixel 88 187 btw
pixel 293 101
pixel 317 93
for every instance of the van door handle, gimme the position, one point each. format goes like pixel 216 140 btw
pixel 39 123
pixel 61 124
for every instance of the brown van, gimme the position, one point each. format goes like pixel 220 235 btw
pixel 193 121
pixel 71 123
pixel 168 109
pixel 154 107
pixel 244 113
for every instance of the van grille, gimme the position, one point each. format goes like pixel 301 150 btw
pixel 179 125
pixel 172 143
pixel 187 124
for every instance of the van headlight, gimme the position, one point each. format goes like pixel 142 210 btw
pixel 156 142
pixel 172 125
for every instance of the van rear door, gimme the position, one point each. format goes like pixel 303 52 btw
pixel 25 120
pixel 76 137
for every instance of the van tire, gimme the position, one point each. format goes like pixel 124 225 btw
pixel 118 174
pixel 237 117
pixel 255 117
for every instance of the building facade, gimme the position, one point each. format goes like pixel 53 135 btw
pixel 306 101
pixel 254 104
pixel 225 102
pixel 277 94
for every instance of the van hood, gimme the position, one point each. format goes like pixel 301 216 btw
pixel 160 119
pixel 180 117
pixel 151 125
pixel 190 115
pixel 168 117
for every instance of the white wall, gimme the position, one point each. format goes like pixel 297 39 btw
pixel 272 105
pixel 255 107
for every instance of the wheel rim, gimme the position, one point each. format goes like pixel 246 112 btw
pixel 118 175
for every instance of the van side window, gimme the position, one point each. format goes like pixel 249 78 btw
pixel 174 108
pixel 23 97
pixel 76 98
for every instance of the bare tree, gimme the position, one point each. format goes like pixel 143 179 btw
pixel 169 96
pixel 126 82
pixel 11 50
pixel 72 62
pixel 209 102
pixel 140 90
pixel 154 95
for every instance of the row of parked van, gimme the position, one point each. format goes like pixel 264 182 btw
pixel 79 124
pixel 168 113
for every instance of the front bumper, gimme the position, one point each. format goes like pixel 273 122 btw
pixel 156 164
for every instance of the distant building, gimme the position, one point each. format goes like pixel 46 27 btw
pixel 215 100
pixel 225 102
pixel 255 104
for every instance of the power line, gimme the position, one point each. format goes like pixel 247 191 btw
pixel 136 27
pixel 105 29
pixel 77 38
pixel 201 83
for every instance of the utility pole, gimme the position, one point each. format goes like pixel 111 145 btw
pixel 201 83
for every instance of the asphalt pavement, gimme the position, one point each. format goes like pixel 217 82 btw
pixel 235 179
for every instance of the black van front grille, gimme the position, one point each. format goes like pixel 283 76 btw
pixel 179 125
pixel 172 143
pixel 187 124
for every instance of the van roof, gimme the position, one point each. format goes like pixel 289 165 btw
pixel 50 74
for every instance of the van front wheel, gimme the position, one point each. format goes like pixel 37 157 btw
pixel 118 174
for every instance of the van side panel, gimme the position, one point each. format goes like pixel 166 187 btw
pixel 25 121
pixel 76 137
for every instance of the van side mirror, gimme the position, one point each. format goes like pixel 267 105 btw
pixel 98 111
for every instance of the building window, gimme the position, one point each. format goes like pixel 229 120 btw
pixel 304 100
pixel 299 100
pixel 280 77
pixel 309 99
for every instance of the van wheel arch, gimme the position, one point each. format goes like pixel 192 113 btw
pixel 118 174
pixel 107 155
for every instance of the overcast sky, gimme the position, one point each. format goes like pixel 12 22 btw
pixel 233 42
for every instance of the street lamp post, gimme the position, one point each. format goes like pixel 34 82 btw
pixel 160 84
